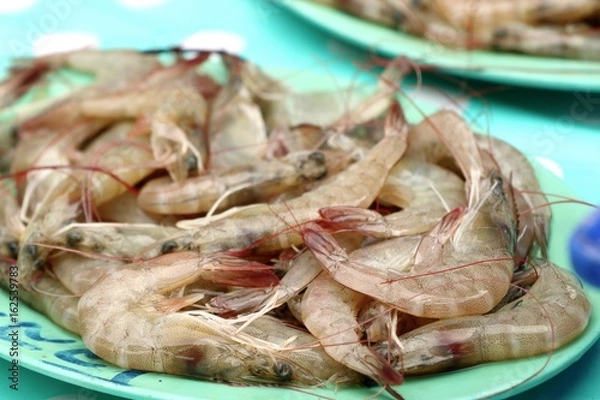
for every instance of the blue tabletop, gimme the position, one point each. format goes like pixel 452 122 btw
pixel 543 123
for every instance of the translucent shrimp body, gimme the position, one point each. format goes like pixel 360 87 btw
pixel 424 191
pixel 551 314
pixel 356 186
pixel 329 311
pixel 259 182
pixel 532 205
pixel 463 266
pixel 49 297
pixel 152 338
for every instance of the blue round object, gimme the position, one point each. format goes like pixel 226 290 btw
pixel 585 249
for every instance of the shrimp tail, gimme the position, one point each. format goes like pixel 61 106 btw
pixel 241 301
pixel 238 272
pixel 395 122
pixel 388 375
pixel 393 393
pixel 21 79
pixel 322 245
pixel 365 221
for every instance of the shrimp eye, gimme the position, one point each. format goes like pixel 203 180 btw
pixel 39 264
pixel 317 157
pixel 31 250
pixel 74 238
pixel 399 17
pixel 313 166
pixel 283 370
pixel 14 135
pixel 517 304
pixel 191 162
pixel 168 247
pixel 368 382
pixel 13 248
pixel 497 181
pixel 501 33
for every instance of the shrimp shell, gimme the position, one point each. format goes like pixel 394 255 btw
pixel 551 314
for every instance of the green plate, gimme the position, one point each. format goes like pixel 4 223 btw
pixel 516 69
pixel 49 350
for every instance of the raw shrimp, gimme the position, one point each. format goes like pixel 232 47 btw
pixel 261 181
pixel 79 273
pixel 262 86
pixel 115 66
pixel 329 311
pixel 19 82
pixel 238 134
pixel 176 111
pixel 169 97
pixel 111 239
pixel 121 164
pixel 112 70
pixel 424 191
pixel 48 296
pixel 497 12
pixel 380 12
pixel 463 266
pixel 555 28
pixel 144 98
pixel 11 227
pixel 532 206
pixel 578 42
pixel 50 150
pixel 358 185
pixel 444 138
pixel 535 27
pixel 40 229
pixel 304 350
pixel 414 183
pixel 551 314
pixel 176 136
pixel 352 111
pixel 152 337
pixel 125 209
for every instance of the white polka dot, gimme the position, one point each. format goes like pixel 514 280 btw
pixel 137 4
pixel 12 6
pixel 551 166
pixel 215 40
pixel 63 41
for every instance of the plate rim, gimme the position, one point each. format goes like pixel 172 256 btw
pixel 580 74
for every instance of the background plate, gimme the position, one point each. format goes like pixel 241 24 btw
pixel 516 69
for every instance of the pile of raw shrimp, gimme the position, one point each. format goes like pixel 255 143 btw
pixel 223 226
pixel 555 28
